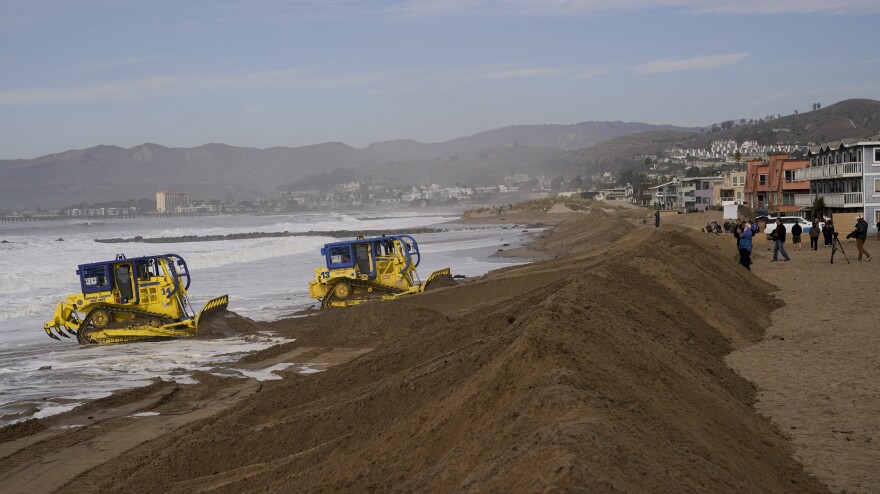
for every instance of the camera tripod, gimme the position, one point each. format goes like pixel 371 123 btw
pixel 835 244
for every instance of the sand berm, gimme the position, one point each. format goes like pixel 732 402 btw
pixel 599 370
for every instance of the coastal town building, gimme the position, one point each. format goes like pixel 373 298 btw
pixel 846 175
pixel 168 201
pixel 624 193
pixel 696 194
pixel 732 185
pixel 770 185
pixel 726 150
pixel 665 196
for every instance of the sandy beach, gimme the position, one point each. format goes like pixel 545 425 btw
pixel 628 359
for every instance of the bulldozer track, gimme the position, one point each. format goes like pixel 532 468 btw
pixel 82 335
pixel 330 297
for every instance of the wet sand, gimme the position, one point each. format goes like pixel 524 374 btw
pixel 603 367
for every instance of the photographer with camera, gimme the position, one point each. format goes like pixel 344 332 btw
pixel 779 241
pixel 861 234
pixel 743 233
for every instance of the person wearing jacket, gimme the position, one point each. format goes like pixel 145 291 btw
pixel 814 236
pixel 828 232
pixel 861 234
pixel 796 232
pixel 779 244
pixel 744 233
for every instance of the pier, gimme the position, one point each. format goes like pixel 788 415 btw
pixel 36 218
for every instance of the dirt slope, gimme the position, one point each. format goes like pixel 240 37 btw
pixel 600 371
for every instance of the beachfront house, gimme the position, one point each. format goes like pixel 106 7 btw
pixel 772 185
pixel 846 175
pixel 624 193
pixel 665 196
pixel 697 193
pixel 732 185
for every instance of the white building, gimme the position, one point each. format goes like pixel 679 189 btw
pixel 168 202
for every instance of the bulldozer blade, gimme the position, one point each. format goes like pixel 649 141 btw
pixel 49 332
pixel 213 306
pixel 59 331
pixel 438 279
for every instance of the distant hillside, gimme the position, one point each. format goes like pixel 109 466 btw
pixel 615 151
pixel 106 173
pixel 849 118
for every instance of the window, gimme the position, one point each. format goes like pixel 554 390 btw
pixel 789 175
pixel 876 216
pixel 788 199
pixel 876 155
pixel 877 186
pixel 340 256
pixel 95 279
pixel 762 179
pixel 739 196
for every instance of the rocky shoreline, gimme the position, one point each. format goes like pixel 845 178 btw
pixel 240 236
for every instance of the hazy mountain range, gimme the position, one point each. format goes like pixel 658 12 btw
pixel 106 173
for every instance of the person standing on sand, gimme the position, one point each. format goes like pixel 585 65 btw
pixel 779 244
pixel 828 232
pixel 796 232
pixel 744 233
pixel 861 234
pixel 814 236
pixel 657 219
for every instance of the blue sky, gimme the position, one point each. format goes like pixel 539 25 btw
pixel 263 73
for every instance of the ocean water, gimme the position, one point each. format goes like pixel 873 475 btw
pixel 265 278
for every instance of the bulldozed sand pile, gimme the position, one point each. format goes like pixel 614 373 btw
pixel 599 371
pixel 225 324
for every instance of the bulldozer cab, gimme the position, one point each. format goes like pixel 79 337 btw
pixel 367 269
pixel 365 255
pixel 356 255
pixel 124 278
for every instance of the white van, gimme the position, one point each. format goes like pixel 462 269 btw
pixel 788 222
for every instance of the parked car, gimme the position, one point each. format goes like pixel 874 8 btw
pixel 789 221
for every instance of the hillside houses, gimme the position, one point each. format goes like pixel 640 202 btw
pixel 725 150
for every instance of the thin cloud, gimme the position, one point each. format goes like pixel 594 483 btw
pixel 589 74
pixel 113 64
pixel 434 8
pixel 450 79
pixel 158 87
pixel 674 64
pixel 526 73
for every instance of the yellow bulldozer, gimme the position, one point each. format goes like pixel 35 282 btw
pixel 126 300
pixel 368 269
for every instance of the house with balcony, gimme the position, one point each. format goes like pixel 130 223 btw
pixel 846 175
pixel 732 185
pixel 772 184
pixel 624 193
pixel 665 196
pixel 757 185
pixel 697 193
